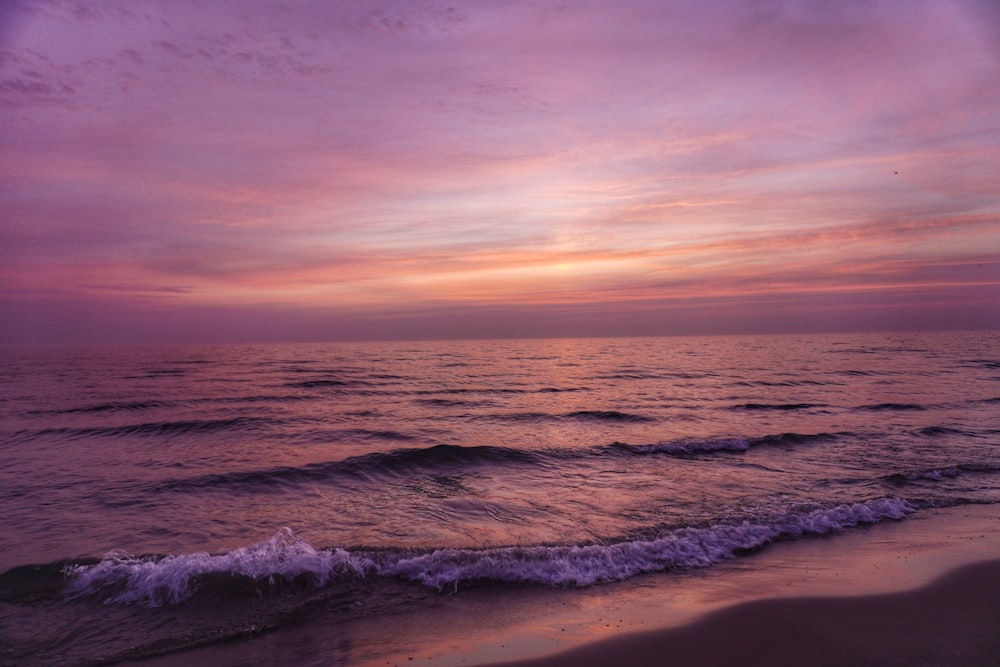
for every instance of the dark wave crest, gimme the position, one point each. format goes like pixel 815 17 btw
pixel 786 439
pixel 379 464
pixel 356 434
pixel 448 402
pixel 687 447
pixel 936 431
pixel 607 415
pixel 323 383
pixel 777 406
pixel 881 407
pixel 454 459
pixel 122 406
pixel 583 415
pixel 405 460
pixel 159 428
pixel 779 383
pixel 940 474
pixel 991 364
pixel 694 446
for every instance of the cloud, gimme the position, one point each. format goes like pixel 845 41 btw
pixel 324 155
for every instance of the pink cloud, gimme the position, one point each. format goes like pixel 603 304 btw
pixel 391 154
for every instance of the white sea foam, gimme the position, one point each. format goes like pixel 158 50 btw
pixel 580 565
pixel 587 565
pixel 153 582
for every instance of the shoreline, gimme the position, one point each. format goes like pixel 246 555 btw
pixel 647 615
pixel 952 621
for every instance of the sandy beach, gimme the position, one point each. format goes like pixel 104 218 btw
pixel 953 621
pixel 918 592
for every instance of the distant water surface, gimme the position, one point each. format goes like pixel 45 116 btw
pixel 194 494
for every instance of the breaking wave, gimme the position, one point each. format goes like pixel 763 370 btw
pixel 288 560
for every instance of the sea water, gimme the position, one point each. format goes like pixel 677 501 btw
pixel 158 498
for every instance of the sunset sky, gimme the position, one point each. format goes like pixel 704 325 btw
pixel 227 170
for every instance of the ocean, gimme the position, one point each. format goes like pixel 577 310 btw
pixel 158 499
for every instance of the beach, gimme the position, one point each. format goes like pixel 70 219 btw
pixel 950 622
pixel 918 592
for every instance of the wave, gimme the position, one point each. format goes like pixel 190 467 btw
pixel 448 402
pixel 777 406
pixel 594 564
pixel 158 428
pixel 880 407
pixel 687 447
pixel 935 431
pixel 940 474
pixel 932 474
pixel 785 439
pixel 629 375
pixel 409 461
pixel 151 581
pixel 585 415
pixel 378 464
pixel 287 560
pixel 692 446
pixel 497 390
pixel 404 460
pixel 607 415
pixel 323 383
pixel 779 383
pixel 260 398
pixel 356 434
pixel 517 417
pixel 468 390
pixel 159 372
pixel 991 364
pixel 122 406
pixel 640 374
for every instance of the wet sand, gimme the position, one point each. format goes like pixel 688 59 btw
pixel 925 591
pixel 954 621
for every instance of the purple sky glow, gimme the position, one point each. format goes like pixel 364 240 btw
pixel 227 170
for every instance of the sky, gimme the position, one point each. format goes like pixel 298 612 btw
pixel 280 171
